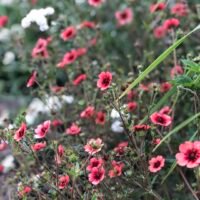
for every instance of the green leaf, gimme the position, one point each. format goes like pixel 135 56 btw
pixel 176 129
pixel 157 61
pixel 183 80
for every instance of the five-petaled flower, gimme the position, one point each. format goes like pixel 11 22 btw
pixel 68 33
pixel 156 163
pixel 104 80
pixel 124 17
pixel 63 182
pixel 93 146
pixel 116 169
pixel 42 129
pixel 95 162
pixel 189 155
pixel 100 118
pixel 20 133
pixel 95 3
pixel 74 129
pixel 88 112
pixel 161 119
pixel 38 146
pixel 96 175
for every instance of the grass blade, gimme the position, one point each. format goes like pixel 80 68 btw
pixel 157 61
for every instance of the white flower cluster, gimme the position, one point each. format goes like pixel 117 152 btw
pixel 39 17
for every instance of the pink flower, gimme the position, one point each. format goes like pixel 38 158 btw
pixel 88 112
pixel 59 154
pixel 57 122
pixel 156 164
pixel 159 32
pixel 79 79
pixel 116 169
pixel 131 106
pixel 63 182
pixel 176 70
pixel 124 17
pixel 161 119
pixel 40 49
pixel 104 80
pixel 1 168
pixel 141 127
pixel 42 129
pixel 165 87
pixel 68 33
pixel 95 162
pixel 121 148
pixel 179 9
pixel 3 145
pixel 87 24
pixel 95 3
pixel 165 110
pixel 20 133
pixel 3 21
pixel 38 146
pixel 171 23
pixel 96 175
pixel 68 58
pixel 81 51
pixel 32 79
pixel 93 146
pixel 157 7
pixel 189 155
pixel 100 118
pixel 74 129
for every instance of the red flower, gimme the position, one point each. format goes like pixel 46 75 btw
pixel 144 87
pixel 176 70
pixel 25 190
pixel 57 122
pixel 38 146
pixel 156 141
pixel 79 79
pixel 124 17
pixel 156 164
pixel 42 129
pixel 120 148
pixel 104 80
pixel 132 106
pixel 68 33
pixel 87 24
pixel 161 119
pixel 88 112
pixel 116 169
pixel 165 87
pixel 93 146
pixel 3 21
pixel 157 7
pixel 95 162
pixel 32 79
pixel 3 145
pixel 141 127
pixel 1 168
pixel 95 3
pixel 159 32
pixel 179 9
pixel 171 23
pixel 131 94
pixel 68 58
pixel 189 155
pixel 100 118
pixel 165 110
pixel 20 133
pixel 63 182
pixel 40 49
pixel 96 175
pixel 74 129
